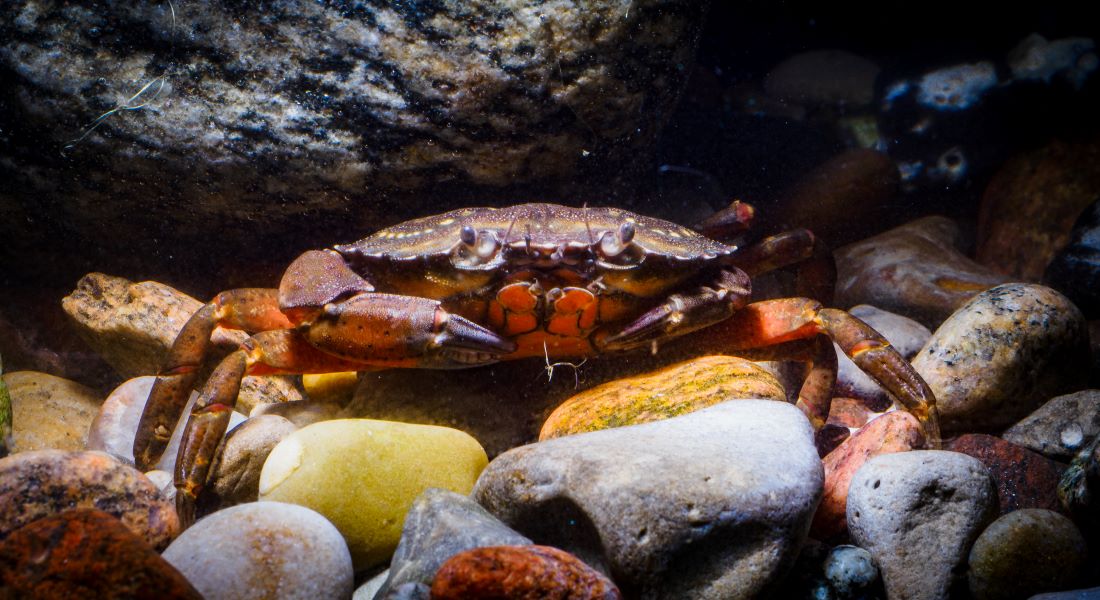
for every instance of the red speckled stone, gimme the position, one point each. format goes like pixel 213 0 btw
pixel 1024 479
pixel 45 482
pixel 85 553
pixel 519 573
pixel 897 431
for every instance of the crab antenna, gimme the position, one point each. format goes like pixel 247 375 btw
pixel 527 239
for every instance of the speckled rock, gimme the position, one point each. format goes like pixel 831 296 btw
pixel 519 572
pixel 1079 488
pixel 1061 427
pixel 677 389
pixel 114 427
pixel 850 571
pixel 1026 552
pixel 913 270
pixel 363 475
pixel 85 553
pixel 49 412
pixel 318 107
pixel 132 325
pixel 235 476
pixel 1002 355
pixel 44 482
pixel 1075 269
pixel 896 431
pixel 711 504
pixel 1024 479
pixel 264 550
pixel 440 524
pixel 905 335
pixel 1030 205
pixel 918 513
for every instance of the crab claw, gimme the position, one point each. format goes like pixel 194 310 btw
pixel 388 330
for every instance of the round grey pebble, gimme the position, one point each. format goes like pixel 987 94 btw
pixel 850 571
pixel 264 550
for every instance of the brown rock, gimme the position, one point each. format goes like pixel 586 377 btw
pixel 677 389
pixel 50 412
pixel 1024 478
pixel 896 431
pixel 519 572
pixel 856 182
pixel 132 325
pixel 40 483
pixel 914 270
pixel 85 553
pixel 1029 207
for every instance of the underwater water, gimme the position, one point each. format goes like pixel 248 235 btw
pixel 945 158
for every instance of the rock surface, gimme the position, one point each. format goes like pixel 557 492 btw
pixel 918 513
pixel 440 524
pixel 315 107
pixel 85 553
pixel 363 476
pixel 1002 354
pixel 1061 427
pixel 1029 207
pixel 905 335
pixel 1024 479
pixel 49 412
pixel 850 571
pixel 1075 269
pixel 897 431
pixel 264 550
pixel 677 389
pixel 712 504
pixel 1026 552
pixel 519 572
pixel 44 482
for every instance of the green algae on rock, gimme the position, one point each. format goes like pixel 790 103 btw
pixel 363 476
pixel 5 415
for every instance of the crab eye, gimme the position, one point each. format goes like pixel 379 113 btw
pixel 468 235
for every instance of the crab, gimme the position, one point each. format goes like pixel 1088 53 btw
pixel 474 286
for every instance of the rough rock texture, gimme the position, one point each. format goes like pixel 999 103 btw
pixel 905 335
pixel 1024 479
pixel 1026 552
pixel 712 504
pixel 1061 427
pixel 1002 354
pixel 363 476
pixel 440 524
pixel 133 325
pixel 264 550
pixel 235 476
pixel 1030 205
pixel 520 572
pixel 918 514
pixel 37 484
pixel 85 553
pixel 308 106
pixel 673 390
pixel 49 412
pixel 913 270
pixel 897 431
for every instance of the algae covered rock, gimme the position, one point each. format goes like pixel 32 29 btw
pixel 363 476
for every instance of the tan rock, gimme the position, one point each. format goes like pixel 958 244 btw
pixel 50 412
pixel 236 473
pixel 913 270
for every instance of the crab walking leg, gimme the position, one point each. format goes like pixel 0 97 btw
pixel 251 309
pixel 787 319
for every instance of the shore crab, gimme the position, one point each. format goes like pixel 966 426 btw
pixel 473 286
